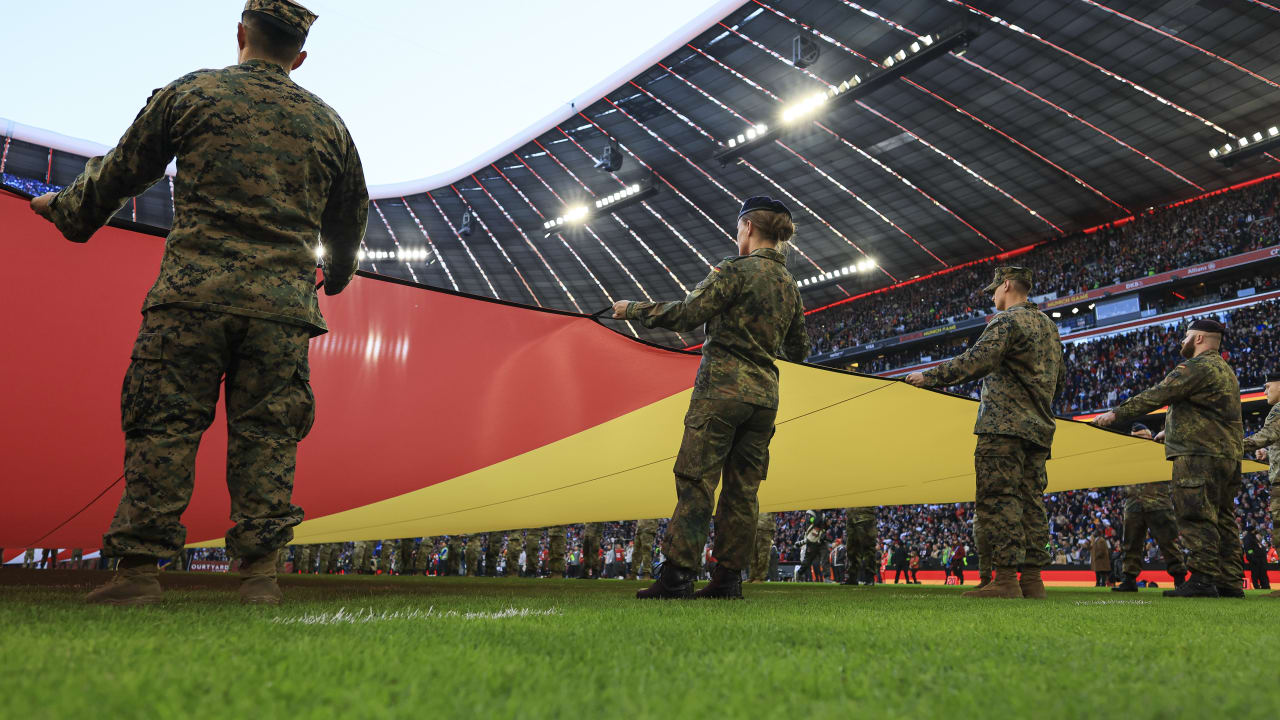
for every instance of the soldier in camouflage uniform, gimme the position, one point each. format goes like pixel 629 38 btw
pixel 642 554
pixel 753 314
pixel 304 559
pixel 1265 445
pixel 982 546
pixel 591 550
pixel 860 541
pixel 1019 357
pixel 513 553
pixel 555 551
pixel 532 545
pixel 324 554
pixel 1203 436
pixel 405 553
pixel 766 527
pixel 362 557
pixel 473 556
pixel 491 547
pixel 265 170
pixel 1148 506
pixel 387 557
pixel 454 565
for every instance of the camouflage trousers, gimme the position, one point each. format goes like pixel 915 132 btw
pixel 387 556
pixel 453 561
pixel 492 543
pixel 555 549
pixel 721 437
pixel 1009 507
pixel 762 546
pixel 473 559
pixel 513 553
pixel 532 544
pixel 303 558
pixel 591 549
pixel 642 554
pixel 362 556
pixel 327 558
pixel 180 360
pixel 1204 494
pixel 860 541
pixel 982 545
pixel 1163 528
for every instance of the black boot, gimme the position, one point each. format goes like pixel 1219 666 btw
pixel 1230 591
pixel 1195 586
pixel 1178 579
pixel 671 582
pixel 725 583
pixel 1130 584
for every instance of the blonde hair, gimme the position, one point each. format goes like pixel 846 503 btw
pixel 774 226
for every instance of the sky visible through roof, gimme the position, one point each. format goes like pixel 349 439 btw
pixel 423 86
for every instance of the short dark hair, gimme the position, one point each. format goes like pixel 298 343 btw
pixel 271 38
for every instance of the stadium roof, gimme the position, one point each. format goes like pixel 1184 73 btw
pixel 1055 117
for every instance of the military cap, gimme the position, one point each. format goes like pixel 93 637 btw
pixel 1009 272
pixel 1207 325
pixel 287 14
pixel 1137 427
pixel 1272 377
pixel 762 202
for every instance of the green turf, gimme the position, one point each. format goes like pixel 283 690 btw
pixel 594 652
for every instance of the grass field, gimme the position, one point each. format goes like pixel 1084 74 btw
pixel 366 647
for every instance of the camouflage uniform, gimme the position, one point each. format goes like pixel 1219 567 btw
pixel 860 541
pixel 405 553
pixel 454 565
pixel 304 558
pixel 1269 437
pixel 324 556
pixel 29 559
pixel 1148 506
pixel 532 543
pixel 513 553
pixel 387 556
pixel 362 557
pixel 982 546
pixel 1019 357
pixel 642 555
pixel 264 169
pixel 753 314
pixel 766 527
pixel 473 556
pixel 591 549
pixel 1203 436
pixel 555 551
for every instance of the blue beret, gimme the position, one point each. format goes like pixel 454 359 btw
pixel 763 202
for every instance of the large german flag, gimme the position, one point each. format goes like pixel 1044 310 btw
pixel 441 413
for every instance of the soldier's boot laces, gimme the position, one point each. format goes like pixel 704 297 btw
pixel 983 581
pixel 671 582
pixel 1195 586
pixel 136 582
pixel 1230 590
pixel 1178 579
pixel 258 581
pixel 1130 584
pixel 1031 584
pixel 1003 585
pixel 725 584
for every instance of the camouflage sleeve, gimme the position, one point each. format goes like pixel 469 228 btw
pixel 346 214
pixel 1061 383
pixel 132 166
pixel 976 362
pixel 1179 383
pixel 1267 436
pixel 707 300
pixel 795 346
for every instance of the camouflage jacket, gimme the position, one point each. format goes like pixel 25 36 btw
pixel 860 515
pixel 1268 437
pixel 751 307
pixel 265 171
pixel 1203 396
pixel 1147 497
pixel 1020 357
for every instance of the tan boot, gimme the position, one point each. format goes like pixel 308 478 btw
pixel 983 581
pixel 136 582
pixel 1273 594
pixel 1004 585
pixel 1031 584
pixel 258 581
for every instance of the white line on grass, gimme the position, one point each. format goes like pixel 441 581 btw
pixel 1113 602
pixel 343 616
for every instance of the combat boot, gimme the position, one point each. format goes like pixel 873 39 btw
pixel 1130 584
pixel 258 581
pixel 1230 591
pixel 1195 586
pixel 136 582
pixel 725 583
pixel 1031 584
pixel 1003 585
pixel 1273 594
pixel 983 581
pixel 671 583
pixel 1178 579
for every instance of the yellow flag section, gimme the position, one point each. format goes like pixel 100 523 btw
pixel 842 440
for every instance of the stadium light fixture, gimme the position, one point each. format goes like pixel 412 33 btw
pixel 1248 145
pixel 629 195
pixel 908 59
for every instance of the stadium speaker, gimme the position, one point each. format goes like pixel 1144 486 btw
pixel 804 52
pixel 467 225
pixel 611 159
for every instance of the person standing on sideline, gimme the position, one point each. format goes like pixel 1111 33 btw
pixel 268 180
pixel 1204 437
pixel 753 314
pixel 1265 446
pixel 1019 357
pixel 1148 506
pixel 642 558
pixel 1099 559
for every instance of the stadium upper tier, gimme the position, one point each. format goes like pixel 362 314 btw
pixel 971 129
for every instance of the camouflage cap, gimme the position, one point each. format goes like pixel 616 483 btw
pixel 1009 272
pixel 289 15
